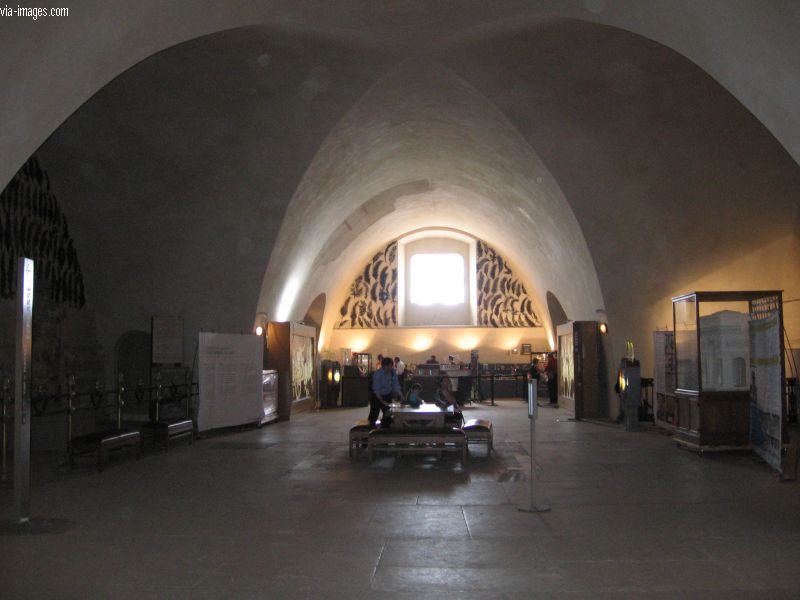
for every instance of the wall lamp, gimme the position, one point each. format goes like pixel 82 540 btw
pixel 261 324
pixel 603 328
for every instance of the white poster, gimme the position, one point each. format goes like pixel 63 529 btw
pixel 765 389
pixel 230 380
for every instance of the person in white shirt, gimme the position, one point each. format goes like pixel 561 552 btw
pixel 400 369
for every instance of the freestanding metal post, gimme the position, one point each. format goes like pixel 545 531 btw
pixel 22 400
pixel 532 414
pixel 4 478
pixel 71 395
pixel 120 400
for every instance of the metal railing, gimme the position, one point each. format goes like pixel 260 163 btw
pixel 72 401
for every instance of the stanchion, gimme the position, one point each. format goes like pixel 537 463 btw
pixel 71 395
pixel 120 400
pixel 5 479
pixel 533 506
pixel 157 406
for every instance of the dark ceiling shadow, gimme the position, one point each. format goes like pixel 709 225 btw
pixel 557 314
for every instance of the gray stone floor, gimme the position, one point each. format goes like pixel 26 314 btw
pixel 282 512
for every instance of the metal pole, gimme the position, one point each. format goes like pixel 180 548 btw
pixel 22 400
pixel 4 479
pixel 120 400
pixel 157 407
pixel 70 412
pixel 532 506
pixel 188 380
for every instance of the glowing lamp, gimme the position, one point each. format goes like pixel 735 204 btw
pixel 259 330
pixel 603 328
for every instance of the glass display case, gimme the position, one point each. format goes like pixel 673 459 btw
pixel 716 372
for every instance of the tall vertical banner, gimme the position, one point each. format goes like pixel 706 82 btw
pixel 766 410
pixel 22 392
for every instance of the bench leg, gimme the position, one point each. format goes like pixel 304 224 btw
pixel 100 458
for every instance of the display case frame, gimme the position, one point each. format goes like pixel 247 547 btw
pixel 718 415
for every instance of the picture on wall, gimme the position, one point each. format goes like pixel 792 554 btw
pixel 302 349
pixel 526 349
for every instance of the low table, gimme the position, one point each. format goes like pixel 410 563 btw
pixel 417 442
pixel 425 418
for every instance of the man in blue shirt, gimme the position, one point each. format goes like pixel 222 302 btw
pixel 384 387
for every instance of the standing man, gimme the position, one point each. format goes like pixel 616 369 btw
pixel 533 371
pixel 551 369
pixel 400 369
pixel 385 386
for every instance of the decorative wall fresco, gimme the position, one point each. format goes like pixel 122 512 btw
pixel 32 225
pixel 502 299
pixel 302 349
pixel 372 301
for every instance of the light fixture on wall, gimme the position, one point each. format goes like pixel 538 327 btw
pixel 603 328
pixel 261 324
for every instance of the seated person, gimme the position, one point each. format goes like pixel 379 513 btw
pixel 432 360
pixel 444 395
pixel 413 399
pixel 446 401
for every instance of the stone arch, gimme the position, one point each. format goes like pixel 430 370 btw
pixel 746 48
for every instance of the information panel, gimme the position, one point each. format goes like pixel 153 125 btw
pixel 765 389
pixel 230 378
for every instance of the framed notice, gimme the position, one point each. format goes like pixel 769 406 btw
pixel 167 340
pixel 526 349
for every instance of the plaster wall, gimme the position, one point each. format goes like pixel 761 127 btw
pixel 420 122
pixel 176 177
pixel 416 344
pixel 52 66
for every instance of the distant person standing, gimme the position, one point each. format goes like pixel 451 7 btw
pixel 551 370
pixel 385 386
pixel 400 369
pixel 533 371
pixel 432 360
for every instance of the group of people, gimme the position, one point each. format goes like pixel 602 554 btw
pixel 550 369
pixel 387 385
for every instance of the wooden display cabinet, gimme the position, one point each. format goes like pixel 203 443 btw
pixel 713 366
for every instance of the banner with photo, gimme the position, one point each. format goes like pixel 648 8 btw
pixel 766 394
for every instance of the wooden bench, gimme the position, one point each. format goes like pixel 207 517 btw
pixel 103 441
pixel 417 442
pixel 479 431
pixel 167 429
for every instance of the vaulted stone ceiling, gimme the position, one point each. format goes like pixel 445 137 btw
pixel 611 168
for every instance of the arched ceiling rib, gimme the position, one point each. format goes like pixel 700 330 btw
pixel 422 148
pixel 50 67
